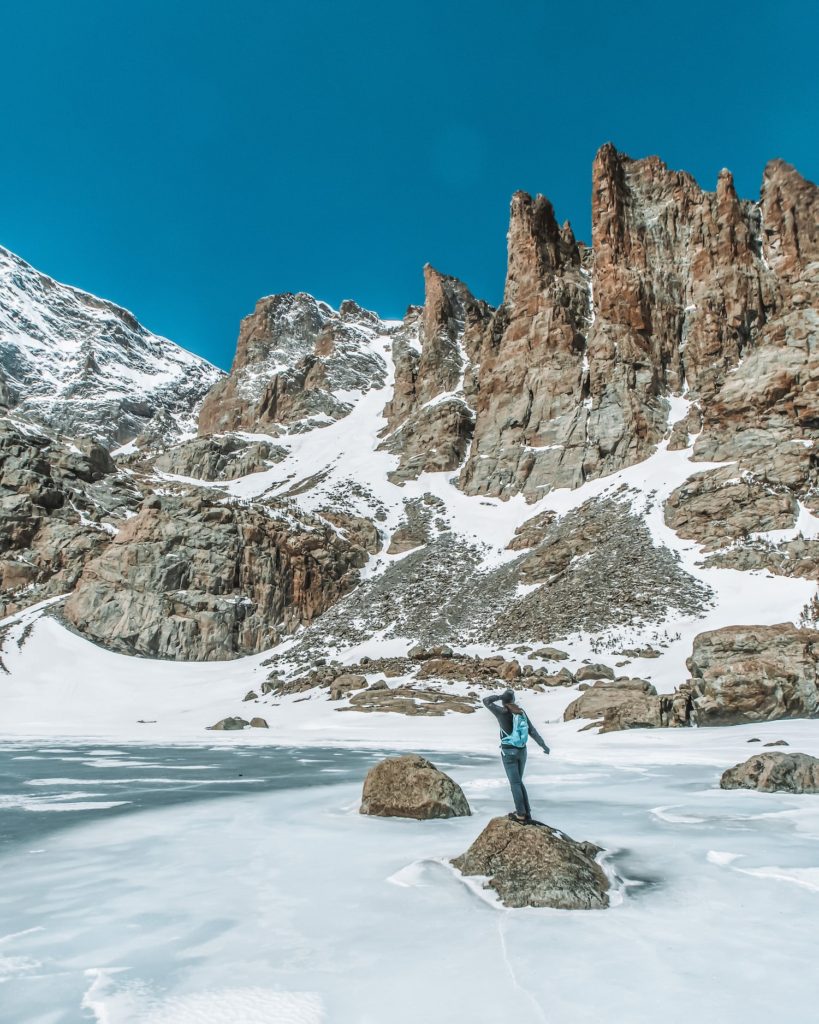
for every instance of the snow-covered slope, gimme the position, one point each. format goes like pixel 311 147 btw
pixel 83 366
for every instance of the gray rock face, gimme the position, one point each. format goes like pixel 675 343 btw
pixel 190 578
pixel 536 866
pixel 84 367
pixel 59 506
pixel 755 674
pixel 774 773
pixel 218 457
pixel 293 355
pixel 411 787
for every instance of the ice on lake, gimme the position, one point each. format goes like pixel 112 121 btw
pixel 277 902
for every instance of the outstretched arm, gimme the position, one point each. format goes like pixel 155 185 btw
pixel 537 737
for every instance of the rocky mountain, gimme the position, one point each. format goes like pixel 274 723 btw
pixel 297 364
pixel 83 367
pixel 619 459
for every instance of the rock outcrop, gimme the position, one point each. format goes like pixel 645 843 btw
pixel 774 773
pixel 410 700
pixel 219 457
pixel 292 357
pixel 680 287
pixel 536 866
pixel 60 504
pixel 621 704
pixel 193 578
pixel 754 674
pixel 430 418
pixel 411 787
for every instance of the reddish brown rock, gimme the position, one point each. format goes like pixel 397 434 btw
pixel 292 355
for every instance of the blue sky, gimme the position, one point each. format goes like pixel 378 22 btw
pixel 185 158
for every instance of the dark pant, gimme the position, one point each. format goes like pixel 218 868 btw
pixel 514 761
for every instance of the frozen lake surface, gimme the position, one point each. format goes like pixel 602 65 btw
pixel 239 885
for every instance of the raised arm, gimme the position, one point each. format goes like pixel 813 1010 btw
pixel 490 702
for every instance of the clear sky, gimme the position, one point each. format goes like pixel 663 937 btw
pixel 185 158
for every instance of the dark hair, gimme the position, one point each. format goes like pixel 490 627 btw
pixel 508 697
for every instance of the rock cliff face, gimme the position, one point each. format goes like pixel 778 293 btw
pixel 195 579
pixel 691 321
pixel 296 361
pixel 430 418
pixel 82 366
pixel 683 293
pixel 58 508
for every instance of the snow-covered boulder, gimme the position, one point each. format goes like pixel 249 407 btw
pixel 536 866
pixel 774 773
pixel 411 787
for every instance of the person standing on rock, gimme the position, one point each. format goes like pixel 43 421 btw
pixel 515 730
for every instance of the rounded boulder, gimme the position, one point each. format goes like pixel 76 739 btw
pixel 411 787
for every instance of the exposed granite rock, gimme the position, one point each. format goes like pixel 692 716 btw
pixel 410 700
pixel 797 557
pixel 60 505
pixel 754 674
pixel 549 654
pixel 219 457
pixel 719 506
pixel 292 355
pixel 622 704
pixel 429 418
pixel 600 568
pixel 530 416
pixel 411 787
pixel 192 578
pixel 536 866
pixel 356 529
pixel 774 773
pixel 676 290
pixel 533 531
pixel 486 671
pixel 346 683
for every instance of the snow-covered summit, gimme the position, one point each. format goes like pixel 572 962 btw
pixel 85 366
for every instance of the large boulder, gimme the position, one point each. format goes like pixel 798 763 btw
pixel 411 787
pixel 774 773
pixel 622 704
pixel 536 866
pixel 586 672
pixel 755 674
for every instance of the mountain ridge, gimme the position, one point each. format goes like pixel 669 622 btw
pixel 623 451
